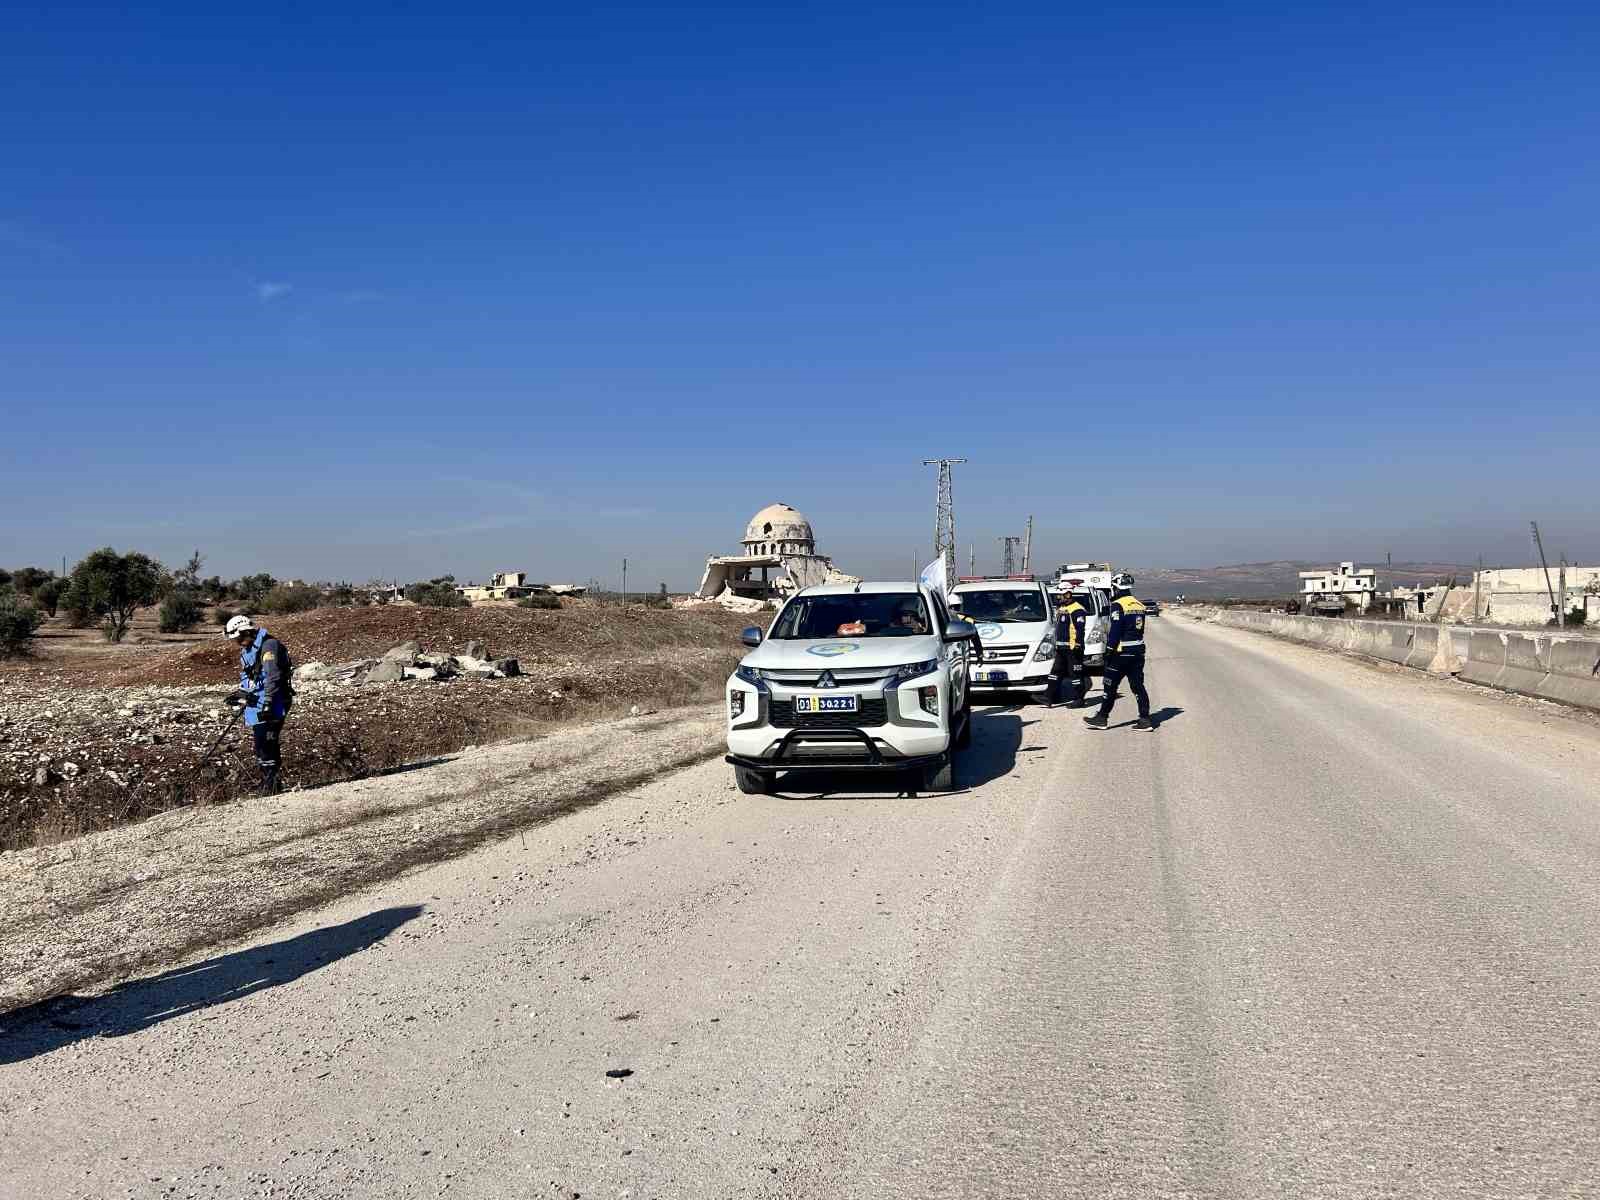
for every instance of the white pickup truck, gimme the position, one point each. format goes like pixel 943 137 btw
pixel 869 676
pixel 1015 619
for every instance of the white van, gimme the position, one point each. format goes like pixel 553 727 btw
pixel 1016 624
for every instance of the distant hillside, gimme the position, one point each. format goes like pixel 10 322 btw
pixel 1246 580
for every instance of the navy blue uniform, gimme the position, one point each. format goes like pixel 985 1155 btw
pixel 1125 655
pixel 1072 620
pixel 264 678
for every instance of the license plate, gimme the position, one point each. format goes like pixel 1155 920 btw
pixel 822 704
pixel 996 676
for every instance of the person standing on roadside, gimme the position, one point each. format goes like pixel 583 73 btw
pixel 265 694
pixel 1071 623
pixel 1124 655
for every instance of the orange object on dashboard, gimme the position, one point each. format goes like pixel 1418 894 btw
pixel 852 629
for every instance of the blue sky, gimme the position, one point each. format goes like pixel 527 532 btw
pixel 402 291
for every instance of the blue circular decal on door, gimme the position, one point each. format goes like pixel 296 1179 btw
pixel 833 649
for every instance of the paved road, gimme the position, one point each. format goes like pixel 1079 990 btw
pixel 1331 932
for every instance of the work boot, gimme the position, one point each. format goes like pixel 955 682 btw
pixel 1144 723
pixel 270 785
pixel 1095 721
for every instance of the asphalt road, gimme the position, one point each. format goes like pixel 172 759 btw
pixel 1332 931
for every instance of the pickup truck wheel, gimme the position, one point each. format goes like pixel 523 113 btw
pixel 939 779
pixel 754 783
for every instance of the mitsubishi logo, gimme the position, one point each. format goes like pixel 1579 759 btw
pixel 825 680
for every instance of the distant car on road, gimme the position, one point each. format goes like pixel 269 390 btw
pixel 1152 607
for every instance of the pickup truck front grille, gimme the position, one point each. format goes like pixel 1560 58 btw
pixel 1002 656
pixel 873 712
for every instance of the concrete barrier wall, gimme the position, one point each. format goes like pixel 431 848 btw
pixel 1550 666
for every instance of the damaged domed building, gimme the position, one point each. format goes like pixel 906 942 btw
pixel 780 556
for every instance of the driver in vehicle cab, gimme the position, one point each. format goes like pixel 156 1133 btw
pixel 910 617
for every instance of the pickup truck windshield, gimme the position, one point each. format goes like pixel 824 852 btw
pixel 1002 606
pixel 853 614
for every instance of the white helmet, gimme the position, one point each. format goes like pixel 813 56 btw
pixel 238 625
pixel 1122 582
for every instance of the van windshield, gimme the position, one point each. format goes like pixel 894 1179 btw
pixel 853 614
pixel 1002 605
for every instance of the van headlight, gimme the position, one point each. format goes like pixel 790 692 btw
pixel 911 671
pixel 1046 651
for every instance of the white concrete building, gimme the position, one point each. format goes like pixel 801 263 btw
pixel 1346 582
pixel 780 556
pixel 1520 595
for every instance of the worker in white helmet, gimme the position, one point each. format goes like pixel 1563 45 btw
pixel 265 693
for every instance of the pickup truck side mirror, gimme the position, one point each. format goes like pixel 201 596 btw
pixel 751 636
pixel 960 630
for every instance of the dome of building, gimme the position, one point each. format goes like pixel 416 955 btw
pixel 779 529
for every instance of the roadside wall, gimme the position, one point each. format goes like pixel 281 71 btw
pixel 1551 666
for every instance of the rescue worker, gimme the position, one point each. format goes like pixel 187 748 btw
pixel 265 694
pixel 1124 655
pixel 1072 620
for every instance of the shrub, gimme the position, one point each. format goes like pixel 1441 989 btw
pixel 252 590
pixel 18 620
pixel 48 595
pixel 180 611
pixel 1578 615
pixel 540 600
pixel 437 593
pixel 113 587
pixel 29 580
pixel 290 598
pixel 223 615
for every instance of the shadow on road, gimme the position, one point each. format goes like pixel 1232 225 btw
pixel 1159 717
pixel 996 738
pixel 141 1003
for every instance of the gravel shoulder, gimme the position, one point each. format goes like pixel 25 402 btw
pixel 82 913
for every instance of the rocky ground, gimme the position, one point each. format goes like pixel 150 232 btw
pixel 92 741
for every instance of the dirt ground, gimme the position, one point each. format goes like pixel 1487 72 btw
pixel 94 735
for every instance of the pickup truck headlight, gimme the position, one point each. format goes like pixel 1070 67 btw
pixel 752 676
pixel 911 671
pixel 735 704
pixel 1046 651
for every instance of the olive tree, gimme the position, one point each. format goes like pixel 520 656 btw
pixel 112 587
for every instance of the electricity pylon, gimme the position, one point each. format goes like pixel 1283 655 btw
pixel 944 516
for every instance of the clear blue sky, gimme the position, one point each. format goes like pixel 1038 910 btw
pixel 370 289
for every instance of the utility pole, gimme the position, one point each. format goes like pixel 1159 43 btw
pixel 624 584
pixel 1538 544
pixel 1561 594
pixel 944 515
pixel 1010 555
pixel 972 560
pixel 1477 592
pixel 1027 548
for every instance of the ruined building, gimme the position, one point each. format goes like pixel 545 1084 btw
pixel 780 556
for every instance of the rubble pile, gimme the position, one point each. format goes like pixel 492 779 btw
pixel 408 661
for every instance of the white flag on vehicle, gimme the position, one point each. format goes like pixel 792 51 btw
pixel 934 576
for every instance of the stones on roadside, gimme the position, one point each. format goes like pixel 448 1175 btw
pixel 405 652
pixel 388 670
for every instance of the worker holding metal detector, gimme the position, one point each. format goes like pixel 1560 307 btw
pixel 265 694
